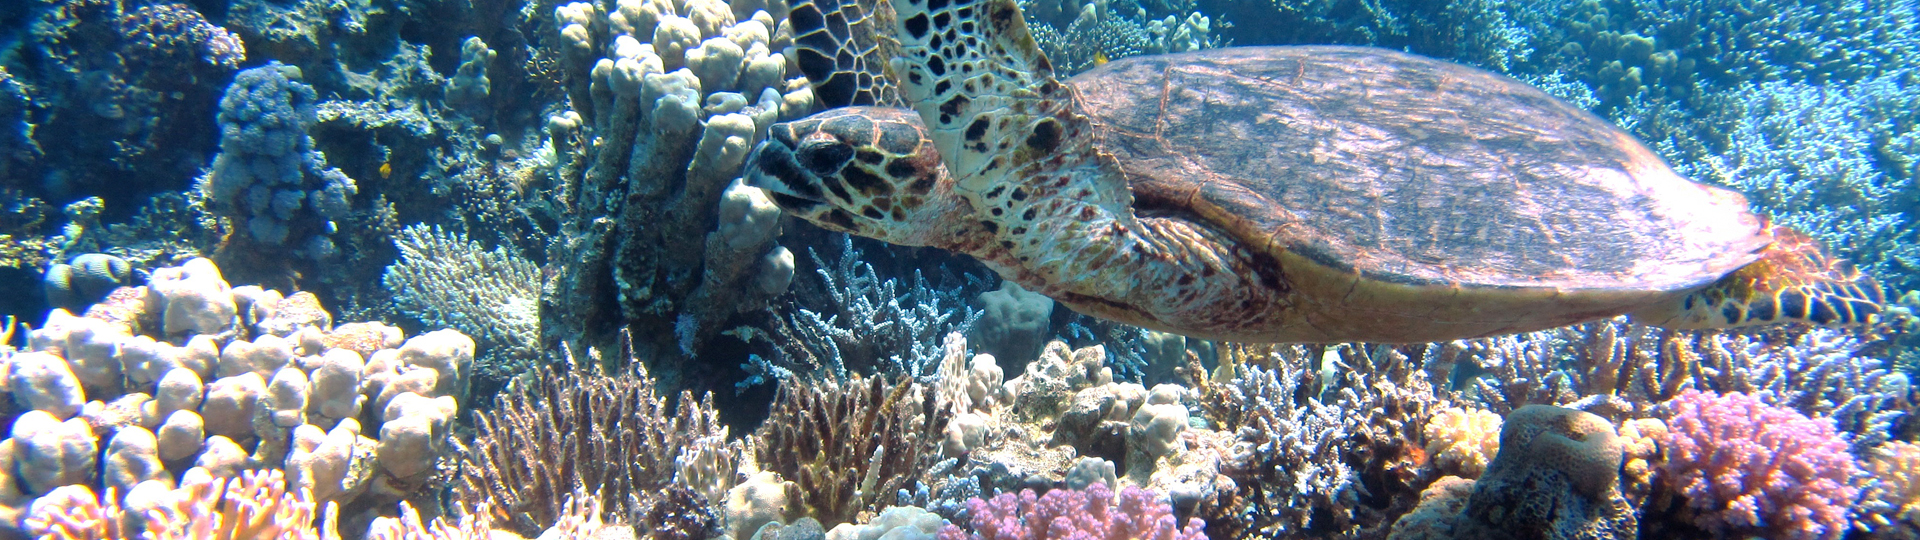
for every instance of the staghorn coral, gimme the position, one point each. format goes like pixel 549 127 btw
pixel 849 446
pixel 610 435
pixel 445 279
pixel 1064 514
pixel 1747 467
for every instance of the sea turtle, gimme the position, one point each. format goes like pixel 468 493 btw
pixel 1270 194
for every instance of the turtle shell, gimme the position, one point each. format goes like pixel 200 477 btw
pixel 1378 181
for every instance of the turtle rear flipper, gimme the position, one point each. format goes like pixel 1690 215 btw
pixel 1793 281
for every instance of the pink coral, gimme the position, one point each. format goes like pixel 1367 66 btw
pixel 1748 467
pixel 1065 514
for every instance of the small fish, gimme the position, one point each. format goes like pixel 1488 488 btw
pixel 1100 59
pixel 386 170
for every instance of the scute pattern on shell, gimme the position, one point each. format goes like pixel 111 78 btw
pixel 1409 170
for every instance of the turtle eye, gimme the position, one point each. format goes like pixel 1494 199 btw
pixel 823 155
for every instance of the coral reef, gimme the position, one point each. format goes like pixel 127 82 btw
pixel 445 279
pixel 1461 441
pixel 666 97
pixel 1079 37
pixel 1328 440
pixel 609 435
pixel 556 179
pixel 1556 477
pixel 188 372
pixel 1625 369
pixel 116 96
pixel 848 446
pixel 1891 500
pixel 268 178
pixel 1066 513
pixel 1752 468
pixel 867 324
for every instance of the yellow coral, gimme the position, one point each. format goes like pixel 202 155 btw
pixel 1896 467
pixel 1462 441
pixel 1641 439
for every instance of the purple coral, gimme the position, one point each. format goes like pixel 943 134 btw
pixel 1749 467
pixel 1066 514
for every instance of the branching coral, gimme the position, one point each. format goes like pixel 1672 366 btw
pixel 611 435
pixel 1313 447
pixel 255 504
pixel 1891 500
pixel 868 324
pixel 1619 368
pixel 1828 159
pixel 1751 468
pixel 1066 514
pixel 850 447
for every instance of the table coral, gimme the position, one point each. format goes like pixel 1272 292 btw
pixel 1751 468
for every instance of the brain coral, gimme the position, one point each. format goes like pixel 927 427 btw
pixel 1751 468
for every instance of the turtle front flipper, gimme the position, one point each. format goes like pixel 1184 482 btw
pixel 842 48
pixel 1793 281
pixel 995 111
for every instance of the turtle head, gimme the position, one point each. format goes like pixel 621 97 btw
pixel 869 171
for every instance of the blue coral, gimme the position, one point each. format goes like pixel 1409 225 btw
pixel 268 178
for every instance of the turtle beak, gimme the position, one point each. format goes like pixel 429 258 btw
pixel 772 167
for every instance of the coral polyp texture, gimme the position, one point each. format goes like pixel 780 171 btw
pixel 190 374
pixel 1067 514
pixel 1751 468
pixel 268 179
